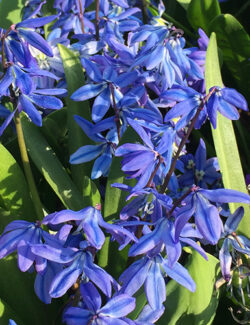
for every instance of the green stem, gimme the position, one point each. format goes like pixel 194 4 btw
pixel 27 169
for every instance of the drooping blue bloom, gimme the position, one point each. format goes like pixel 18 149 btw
pixel 102 87
pixel 104 150
pixel 151 271
pixel 112 313
pixel 189 100
pixel 232 242
pixel 89 220
pixel 79 262
pixel 140 161
pixel 207 218
pixel 20 235
pixel 225 100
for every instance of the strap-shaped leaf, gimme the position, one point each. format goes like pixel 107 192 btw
pixel 48 164
pixel 14 191
pixel 76 137
pixel 224 139
pixel 200 13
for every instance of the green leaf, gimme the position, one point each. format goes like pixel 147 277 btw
pixel 235 45
pixel 115 200
pixel 18 297
pixel 183 307
pixel 50 167
pixel 200 13
pixel 224 139
pixel 10 12
pixel 184 3
pixel 14 191
pixel 76 137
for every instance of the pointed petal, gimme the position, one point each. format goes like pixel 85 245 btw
pixel 234 220
pixel 87 91
pixel 36 40
pixel 180 274
pixel 119 306
pixel 155 287
pixel 225 196
pixel 86 153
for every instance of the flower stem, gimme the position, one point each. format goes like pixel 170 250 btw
pixel 183 142
pixel 81 16
pixel 27 169
pixel 97 20
pixel 117 118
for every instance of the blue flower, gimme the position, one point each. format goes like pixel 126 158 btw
pixel 232 242
pixel 104 150
pixel 197 169
pixel 151 271
pixel 79 262
pixel 140 161
pixel 89 220
pixel 225 100
pixel 112 313
pixel 21 235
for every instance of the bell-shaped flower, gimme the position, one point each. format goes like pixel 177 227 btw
pixel 207 218
pixel 225 100
pixel 189 100
pixel 140 161
pixel 112 313
pixel 79 262
pixel 232 242
pixel 20 235
pixel 150 270
pixel 90 221
pixel 103 151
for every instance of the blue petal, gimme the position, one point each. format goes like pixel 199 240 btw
pixel 225 196
pixel 233 220
pixel 208 220
pixel 76 316
pixel 155 287
pixel 97 275
pixel 6 81
pixel 92 70
pixel 182 217
pixel 102 164
pixel 36 22
pixel 225 259
pixel 142 133
pixel 48 102
pixel 228 110
pixel 63 255
pixel 43 282
pixel 87 91
pixel 234 98
pixel 134 276
pixel 200 156
pixel 7 121
pixel 119 306
pixel 85 154
pixel 101 105
pixel 180 274
pixel 36 40
pixel 65 279
pixel 91 296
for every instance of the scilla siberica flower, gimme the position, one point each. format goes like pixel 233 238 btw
pixel 233 242
pixel 92 313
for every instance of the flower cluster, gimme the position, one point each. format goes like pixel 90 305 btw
pixel 140 79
